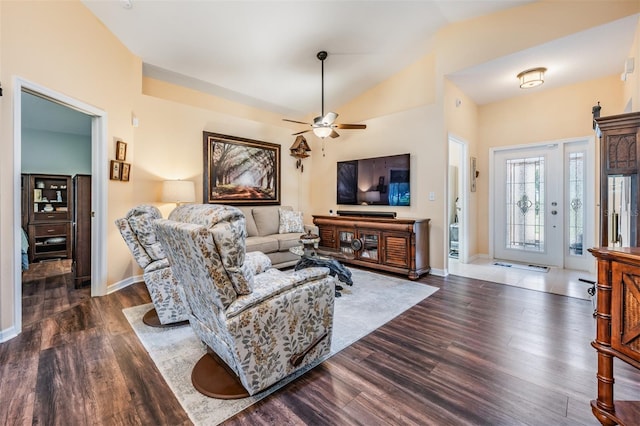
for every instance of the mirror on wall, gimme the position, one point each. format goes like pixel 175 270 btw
pixel 621 210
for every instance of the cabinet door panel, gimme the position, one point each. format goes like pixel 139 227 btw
pixel 370 246
pixel 396 250
pixel 625 327
pixel 328 236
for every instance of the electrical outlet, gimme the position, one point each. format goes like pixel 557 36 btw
pixel 432 196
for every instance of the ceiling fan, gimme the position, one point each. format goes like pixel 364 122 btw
pixel 325 125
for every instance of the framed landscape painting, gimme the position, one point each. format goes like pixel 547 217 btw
pixel 240 171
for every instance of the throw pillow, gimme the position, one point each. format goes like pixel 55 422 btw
pixel 290 221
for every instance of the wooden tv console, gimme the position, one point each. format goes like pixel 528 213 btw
pixel 617 329
pixel 388 244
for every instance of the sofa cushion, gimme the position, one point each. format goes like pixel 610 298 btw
pixel 290 221
pixel 267 219
pixel 263 244
pixel 252 231
pixel 286 241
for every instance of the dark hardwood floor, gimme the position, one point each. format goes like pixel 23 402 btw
pixel 474 353
pixel 49 288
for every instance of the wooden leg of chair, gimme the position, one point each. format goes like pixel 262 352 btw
pixel 213 378
pixel 151 319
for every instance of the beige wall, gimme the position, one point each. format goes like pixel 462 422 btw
pixel 63 47
pixel 461 116
pixel 36 45
pixel 632 85
pixel 538 117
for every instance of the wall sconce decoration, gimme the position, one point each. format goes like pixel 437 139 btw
pixel 299 150
pixel 474 174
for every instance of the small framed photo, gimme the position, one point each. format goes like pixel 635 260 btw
pixel 125 169
pixel 114 170
pixel 121 151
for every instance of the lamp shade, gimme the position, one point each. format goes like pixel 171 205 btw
pixel 531 78
pixel 178 191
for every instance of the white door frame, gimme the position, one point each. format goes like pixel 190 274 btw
pixel 463 227
pixel 589 182
pixel 98 189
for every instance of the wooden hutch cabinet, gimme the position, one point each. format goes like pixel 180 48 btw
pixel 620 163
pixel 393 245
pixel 48 214
pixel 617 329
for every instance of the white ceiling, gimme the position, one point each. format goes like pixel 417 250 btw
pixel 587 55
pixel 263 53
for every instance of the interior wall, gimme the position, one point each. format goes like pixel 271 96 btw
pixel 462 121
pixel 538 117
pixel 86 62
pixel 55 153
pixel 403 132
pixel 632 84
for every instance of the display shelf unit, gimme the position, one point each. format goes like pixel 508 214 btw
pixel 394 245
pixel 47 219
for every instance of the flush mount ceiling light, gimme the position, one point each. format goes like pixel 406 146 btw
pixel 532 77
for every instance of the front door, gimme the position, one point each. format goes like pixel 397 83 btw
pixel 540 205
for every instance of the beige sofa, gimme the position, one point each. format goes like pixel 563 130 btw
pixel 263 224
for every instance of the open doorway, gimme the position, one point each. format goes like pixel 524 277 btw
pixel 98 186
pixel 457 201
pixel 56 199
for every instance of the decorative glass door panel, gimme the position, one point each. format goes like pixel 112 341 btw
pixel 525 206
pixel 528 209
pixel 370 243
pixel 576 165
pixel 541 207
pixel 345 239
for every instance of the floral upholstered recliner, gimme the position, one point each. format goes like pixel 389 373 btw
pixel 137 230
pixel 263 326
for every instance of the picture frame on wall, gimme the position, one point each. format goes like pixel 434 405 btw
pixel 125 170
pixel 114 170
pixel 121 151
pixel 240 170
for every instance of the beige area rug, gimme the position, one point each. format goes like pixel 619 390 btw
pixel 373 300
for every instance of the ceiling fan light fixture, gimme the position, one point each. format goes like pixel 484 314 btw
pixel 532 77
pixel 322 132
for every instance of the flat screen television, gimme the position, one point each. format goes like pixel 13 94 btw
pixel 382 181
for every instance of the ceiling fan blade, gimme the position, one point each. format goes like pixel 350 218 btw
pixel 329 118
pixel 299 133
pixel 351 126
pixel 334 134
pixel 294 121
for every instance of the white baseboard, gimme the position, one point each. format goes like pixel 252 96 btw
pixel 8 334
pixel 124 283
pixel 438 272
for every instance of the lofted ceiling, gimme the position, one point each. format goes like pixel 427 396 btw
pixel 263 53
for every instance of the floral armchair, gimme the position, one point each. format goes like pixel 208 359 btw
pixel 137 231
pixel 263 326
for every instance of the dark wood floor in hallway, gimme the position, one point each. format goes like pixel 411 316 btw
pixel 474 353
